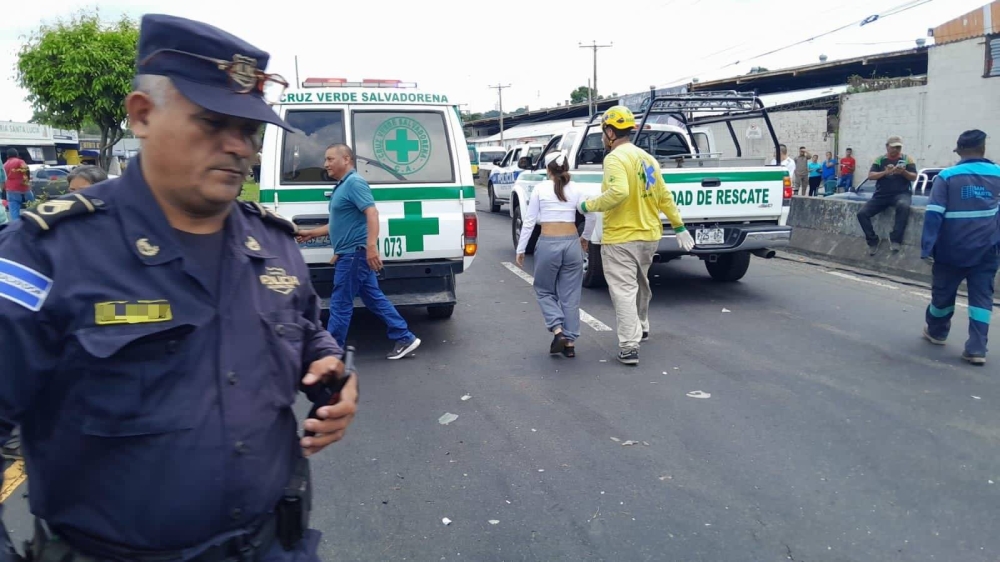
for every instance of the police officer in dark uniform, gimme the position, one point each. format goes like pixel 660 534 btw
pixel 962 237
pixel 156 333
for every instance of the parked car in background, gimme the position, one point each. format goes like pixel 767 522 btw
pixel 52 180
pixel 921 189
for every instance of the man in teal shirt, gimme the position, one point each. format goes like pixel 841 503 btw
pixel 353 230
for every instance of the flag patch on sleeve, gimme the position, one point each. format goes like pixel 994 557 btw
pixel 23 285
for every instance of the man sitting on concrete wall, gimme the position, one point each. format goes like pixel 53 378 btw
pixel 893 173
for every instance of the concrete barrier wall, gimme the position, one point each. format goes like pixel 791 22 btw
pixel 829 229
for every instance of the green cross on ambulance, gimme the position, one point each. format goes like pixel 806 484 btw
pixel 411 148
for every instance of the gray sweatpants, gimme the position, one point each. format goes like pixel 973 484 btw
pixel 626 269
pixel 559 282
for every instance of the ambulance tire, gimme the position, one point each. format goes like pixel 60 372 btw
pixel 441 311
pixel 515 225
pixel 494 206
pixel 593 268
pixel 730 267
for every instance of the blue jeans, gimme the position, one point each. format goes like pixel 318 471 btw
pixel 979 280
pixel 17 200
pixel 846 181
pixel 353 277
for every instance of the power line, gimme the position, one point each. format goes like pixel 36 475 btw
pixel 861 23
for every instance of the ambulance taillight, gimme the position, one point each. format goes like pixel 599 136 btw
pixel 471 234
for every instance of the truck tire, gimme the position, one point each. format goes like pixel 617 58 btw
pixel 729 267
pixel 593 268
pixel 441 311
pixel 515 227
pixel 494 206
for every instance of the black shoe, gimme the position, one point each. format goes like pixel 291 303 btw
pixel 645 336
pixel 404 348
pixel 977 360
pixel 630 357
pixel 873 248
pixel 558 344
pixel 569 351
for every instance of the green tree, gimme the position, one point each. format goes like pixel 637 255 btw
pixel 80 71
pixel 579 95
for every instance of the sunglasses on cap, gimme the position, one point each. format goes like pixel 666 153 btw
pixel 242 73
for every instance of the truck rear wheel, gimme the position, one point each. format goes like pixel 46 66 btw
pixel 441 311
pixel 515 225
pixel 593 268
pixel 729 267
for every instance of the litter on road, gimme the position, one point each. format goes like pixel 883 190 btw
pixel 466 397
pixel 446 521
pixel 629 443
pixel 698 394
pixel 447 418
pixel 494 522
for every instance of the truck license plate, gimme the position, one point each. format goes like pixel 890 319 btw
pixel 709 236
pixel 321 242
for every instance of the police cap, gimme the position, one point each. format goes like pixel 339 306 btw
pixel 211 67
pixel 970 139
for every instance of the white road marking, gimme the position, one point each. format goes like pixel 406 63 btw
pixel 922 295
pixel 862 280
pixel 585 317
pixel 927 297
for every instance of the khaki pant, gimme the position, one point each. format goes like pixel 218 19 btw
pixel 801 184
pixel 626 269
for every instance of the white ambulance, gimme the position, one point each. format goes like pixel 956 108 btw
pixel 410 147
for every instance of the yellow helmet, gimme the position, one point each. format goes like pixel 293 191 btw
pixel 619 117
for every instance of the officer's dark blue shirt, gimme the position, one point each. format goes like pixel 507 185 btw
pixel 156 412
pixel 961 225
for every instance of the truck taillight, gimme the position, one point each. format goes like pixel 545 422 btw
pixel 471 233
pixel 786 198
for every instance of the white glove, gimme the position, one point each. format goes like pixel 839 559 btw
pixel 685 241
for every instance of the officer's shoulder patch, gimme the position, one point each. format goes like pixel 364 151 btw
pixel 269 217
pixel 44 216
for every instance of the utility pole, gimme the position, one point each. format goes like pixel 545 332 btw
pixel 595 46
pixel 499 88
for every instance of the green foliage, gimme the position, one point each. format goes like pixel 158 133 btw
pixel 251 192
pixel 79 72
pixel 579 95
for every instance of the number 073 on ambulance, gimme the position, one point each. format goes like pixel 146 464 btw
pixel 410 147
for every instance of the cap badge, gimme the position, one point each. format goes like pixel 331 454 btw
pixel 244 72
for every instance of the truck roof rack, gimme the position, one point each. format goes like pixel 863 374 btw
pixel 706 101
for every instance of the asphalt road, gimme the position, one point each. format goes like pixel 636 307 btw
pixel 832 431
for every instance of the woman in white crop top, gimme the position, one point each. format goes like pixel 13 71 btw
pixel 558 252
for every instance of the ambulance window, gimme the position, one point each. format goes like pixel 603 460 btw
pixel 403 147
pixel 303 154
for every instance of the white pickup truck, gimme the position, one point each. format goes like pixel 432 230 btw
pixel 733 211
pixel 504 174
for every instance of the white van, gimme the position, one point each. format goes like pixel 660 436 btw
pixel 410 147
pixel 488 155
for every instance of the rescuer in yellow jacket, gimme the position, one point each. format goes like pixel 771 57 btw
pixel 632 195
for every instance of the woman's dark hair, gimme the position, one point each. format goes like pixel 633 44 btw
pixel 93 174
pixel 560 175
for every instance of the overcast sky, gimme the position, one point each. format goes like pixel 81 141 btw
pixel 460 48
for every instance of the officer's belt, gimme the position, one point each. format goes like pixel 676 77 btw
pixel 243 548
